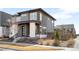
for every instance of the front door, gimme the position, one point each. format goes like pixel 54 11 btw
pixel 24 30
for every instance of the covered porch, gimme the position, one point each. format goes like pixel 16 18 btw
pixel 28 30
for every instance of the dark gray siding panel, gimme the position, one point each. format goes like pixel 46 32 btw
pixel 4 18
pixel 47 22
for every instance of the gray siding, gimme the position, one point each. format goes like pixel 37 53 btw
pixel 3 18
pixel 24 17
pixel 49 25
pixel 47 22
pixel 4 23
pixel 69 27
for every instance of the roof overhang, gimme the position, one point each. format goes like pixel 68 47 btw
pixel 39 9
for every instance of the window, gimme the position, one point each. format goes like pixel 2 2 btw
pixel 23 31
pixel 33 16
pixel 43 30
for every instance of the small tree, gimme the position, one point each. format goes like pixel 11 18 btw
pixel 57 37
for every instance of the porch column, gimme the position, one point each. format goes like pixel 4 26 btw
pixel 32 29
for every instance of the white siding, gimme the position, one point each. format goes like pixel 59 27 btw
pixel 13 30
pixel 32 29
pixel 18 19
pixel 13 19
pixel 5 31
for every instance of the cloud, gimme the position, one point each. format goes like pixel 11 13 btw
pixel 62 15
pixel 67 16
pixel 1 9
pixel 65 13
pixel 70 10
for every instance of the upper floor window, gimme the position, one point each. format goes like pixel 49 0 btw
pixel 33 16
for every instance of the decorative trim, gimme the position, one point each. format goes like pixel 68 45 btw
pixel 30 21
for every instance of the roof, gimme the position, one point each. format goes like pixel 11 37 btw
pixel 5 13
pixel 65 26
pixel 39 9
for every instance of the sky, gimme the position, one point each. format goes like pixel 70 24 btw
pixel 62 15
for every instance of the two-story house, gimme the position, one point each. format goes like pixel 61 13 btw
pixel 4 25
pixel 34 23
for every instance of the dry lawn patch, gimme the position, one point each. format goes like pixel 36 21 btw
pixel 28 48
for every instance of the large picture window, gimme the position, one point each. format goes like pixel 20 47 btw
pixel 33 16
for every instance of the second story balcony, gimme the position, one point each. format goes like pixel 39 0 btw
pixel 21 20
pixel 25 18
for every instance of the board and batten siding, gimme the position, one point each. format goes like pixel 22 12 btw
pixel 47 22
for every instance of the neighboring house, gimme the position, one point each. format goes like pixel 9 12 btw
pixel 31 23
pixel 4 25
pixel 66 31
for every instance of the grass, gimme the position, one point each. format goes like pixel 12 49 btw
pixel 27 48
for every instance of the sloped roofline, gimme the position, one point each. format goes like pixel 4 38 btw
pixel 39 9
